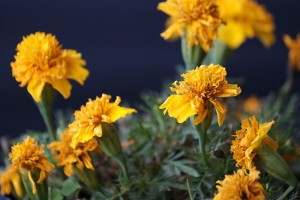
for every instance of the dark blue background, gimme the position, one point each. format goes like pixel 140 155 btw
pixel 120 42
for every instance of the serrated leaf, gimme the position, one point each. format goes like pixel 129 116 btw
pixel 69 186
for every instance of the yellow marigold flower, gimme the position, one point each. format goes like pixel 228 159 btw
pixel 294 53
pixel 197 92
pixel 68 157
pixel 40 59
pixel 240 186
pixel 28 156
pixel 252 105
pixel 245 19
pixel 89 119
pixel 10 179
pixel 197 19
pixel 251 136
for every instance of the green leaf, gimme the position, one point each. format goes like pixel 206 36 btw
pixel 56 194
pixel 69 186
pixel 186 169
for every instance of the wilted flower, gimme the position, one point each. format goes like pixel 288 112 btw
pixel 11 180
pixel 27 156
pixel 240 186
pixel 245 19
pixel 68 157
pixel 197 19
pixel 294 51
pixel 197 92
pixel 41 60
pixel 247 140
pixel 89 119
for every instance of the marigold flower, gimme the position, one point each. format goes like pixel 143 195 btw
pixel 41 60
pixel 28 156
pixel 200 89
pixel 68 157
pixel 294 51
pixel 197 19
pixel 245 19
pixel 252 105
pixel 10 179
pixel 251 136
pixel 89 119
pixel 240 186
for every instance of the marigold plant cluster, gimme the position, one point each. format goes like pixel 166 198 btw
pixel 199 139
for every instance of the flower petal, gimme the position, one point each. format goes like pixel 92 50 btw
pixel 74 66
pixel 63 86
pixel 178 107
pixel 202 113
pixel 221 110
pixel 229 90
pixel 35 88
pixel 119 112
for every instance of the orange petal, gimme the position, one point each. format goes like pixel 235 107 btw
pixel 221 110
pixel 229 90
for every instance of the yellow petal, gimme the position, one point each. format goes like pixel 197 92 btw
pixel 221 110
pixel 169 8
pixel 32 182
pixel 202 113
pixel 80 165
pixel 16 181
pixel 178 107
pixel 35 88
pixel 119 112
pixel 232 34
pixel 229 90
pixel 83 135
pixel 87 161
pixel 68 170
pixel 173 31
pixel 43 175
pixel 74 65
pixel 261 135
pixel 63 86
pixel 98 130
pixel 288 41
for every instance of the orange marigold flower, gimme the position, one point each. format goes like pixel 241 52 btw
pixel 27 156
pixel 252 105
pixel 294 51
pixel 41 60
pixel 240 186
pixel 245 19
pixel 11 180
pixel 197 19
pixel 251 136
pixel 68 157
pixel 89 119
pixel 197 92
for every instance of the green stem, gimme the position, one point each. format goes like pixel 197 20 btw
pixel 202 132
pixel 220 53
pixel 111 146
pixel 88 177
pixel 45 107
pixel 287 86
pixel 189 189
pixel 192 56
pixel 290 188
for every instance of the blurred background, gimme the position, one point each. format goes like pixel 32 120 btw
pixel 125 54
